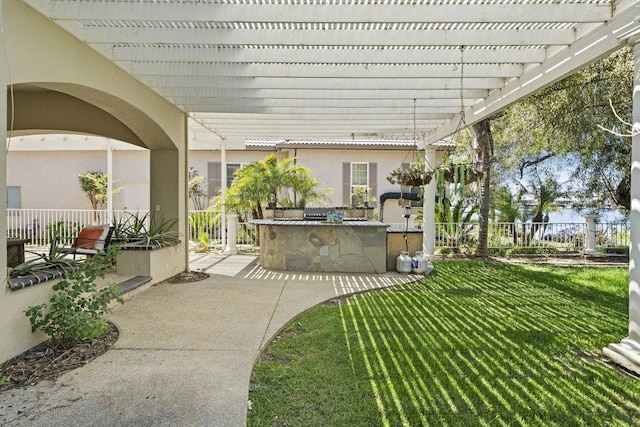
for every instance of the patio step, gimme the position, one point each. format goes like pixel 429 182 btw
pixel 127 287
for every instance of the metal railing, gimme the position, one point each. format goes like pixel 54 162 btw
pixel 41 225
pixel 562 237
pixel 205 230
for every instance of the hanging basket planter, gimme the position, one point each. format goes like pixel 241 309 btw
pixel 461 173
pixel 414 176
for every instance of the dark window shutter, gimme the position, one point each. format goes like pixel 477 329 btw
pixel 214 178
pixel 373 179
pixel 346 183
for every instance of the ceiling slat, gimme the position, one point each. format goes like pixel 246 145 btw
pixel 298 69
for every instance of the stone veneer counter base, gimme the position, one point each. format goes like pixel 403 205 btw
pixel 348 247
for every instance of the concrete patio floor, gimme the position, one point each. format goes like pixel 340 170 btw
pixel 186 350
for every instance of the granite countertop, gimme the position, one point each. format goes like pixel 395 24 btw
pixel 402 230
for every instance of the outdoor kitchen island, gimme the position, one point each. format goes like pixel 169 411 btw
pixel 350 246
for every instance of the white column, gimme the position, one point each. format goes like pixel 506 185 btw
pixel 109 182
pixel 4 82
pixel 223 193
pixel 627 352
pixel 590 244
pixel 232 224
pixel 428 207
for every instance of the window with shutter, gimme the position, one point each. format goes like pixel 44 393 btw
pixel 214 178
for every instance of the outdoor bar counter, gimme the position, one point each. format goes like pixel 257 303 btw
pixel 301 245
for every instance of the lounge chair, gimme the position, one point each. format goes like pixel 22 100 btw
pixel 91 240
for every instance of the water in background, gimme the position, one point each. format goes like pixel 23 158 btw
pixel 569 215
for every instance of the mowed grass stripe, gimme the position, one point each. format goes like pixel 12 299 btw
pixel 475 343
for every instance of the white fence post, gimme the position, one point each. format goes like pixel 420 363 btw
pixel 232 225
pixel 590 241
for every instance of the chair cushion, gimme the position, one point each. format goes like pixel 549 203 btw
pixel 100 242
pixel 87 237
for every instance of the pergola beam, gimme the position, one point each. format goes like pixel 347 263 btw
pixel 178 70
pixel 283 118
pixel 329 104
pixel 586 50
pixel 323 54
pixel 356 37
pixel 371 95
pixel 185 85
pixel 334 13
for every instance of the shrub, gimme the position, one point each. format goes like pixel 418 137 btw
pixel 614 250
pixel 74 313
pixel 532 250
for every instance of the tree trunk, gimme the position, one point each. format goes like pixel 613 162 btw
pixel 483 143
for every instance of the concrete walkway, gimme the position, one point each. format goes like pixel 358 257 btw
pixel 186 351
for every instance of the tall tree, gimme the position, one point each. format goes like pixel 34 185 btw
pixel 95 184
pixel 483 144
pixel 573 119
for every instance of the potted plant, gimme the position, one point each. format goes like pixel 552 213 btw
pixel 361 201
pixel 414 176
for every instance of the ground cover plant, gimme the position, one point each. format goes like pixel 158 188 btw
pixel 475 343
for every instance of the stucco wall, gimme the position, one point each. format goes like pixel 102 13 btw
pixel 49 179
pixel 47 61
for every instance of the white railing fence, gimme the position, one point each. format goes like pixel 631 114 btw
pixel 559 236
pixel 570 236
pixel 205 230
pixel 41 225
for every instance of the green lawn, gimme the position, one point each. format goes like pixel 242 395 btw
pixel 473 344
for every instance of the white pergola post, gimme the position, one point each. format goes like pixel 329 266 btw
pixel 428 207
pixel 232 223
pixel 4 82
pixel 223 192
pixel 627 352
pixel 109 149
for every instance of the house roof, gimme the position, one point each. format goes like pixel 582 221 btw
pixel 333 144
pixel 341 70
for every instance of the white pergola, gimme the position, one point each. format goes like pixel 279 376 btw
pixel 344 69
pixel 351 69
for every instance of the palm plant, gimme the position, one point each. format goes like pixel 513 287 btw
pixel 307 189
pixel 263 181
pixel 546 190
pixel 457 222
pixel 507 206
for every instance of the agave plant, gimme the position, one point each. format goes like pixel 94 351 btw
pixel 133 230
pixel 52 260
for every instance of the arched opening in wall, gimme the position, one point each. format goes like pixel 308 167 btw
pixel 68 108
pixel 55 136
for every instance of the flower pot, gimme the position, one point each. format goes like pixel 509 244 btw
pixel 415 181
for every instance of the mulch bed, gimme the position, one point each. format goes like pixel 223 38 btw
pixel 188 277
pixel 47 361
